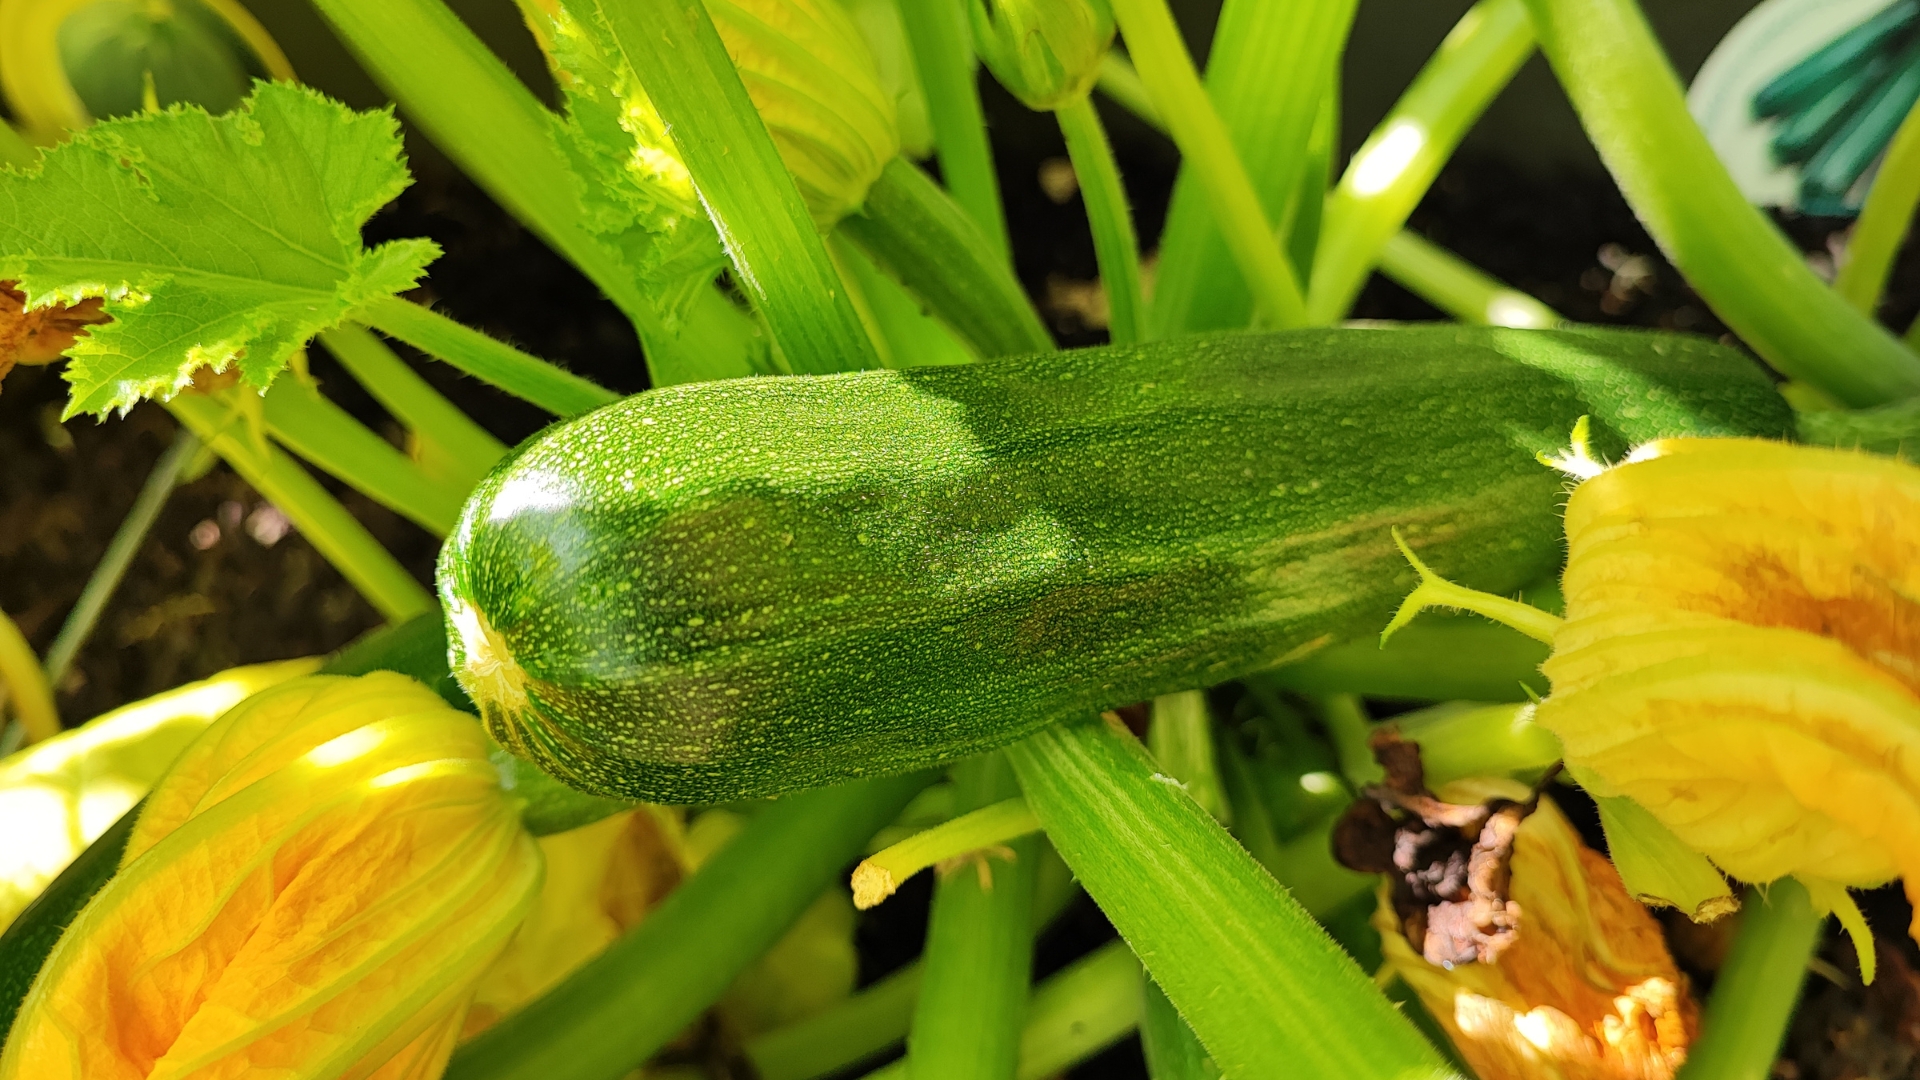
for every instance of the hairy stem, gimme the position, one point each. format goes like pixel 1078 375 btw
pixel 1457 287
pixel 1755 991
pixel 1111 218
pixel 452 445
pixel 942 45
pixel 493 362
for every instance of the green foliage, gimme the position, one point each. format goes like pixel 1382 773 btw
pixel 635 193
pixel 216 240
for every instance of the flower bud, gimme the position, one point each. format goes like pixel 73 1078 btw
pixel 1584 988
pixel 1741 654
pixel 817 87
pixel 312 889
pixel 66 63
pixel 1046 52
pixel 59 795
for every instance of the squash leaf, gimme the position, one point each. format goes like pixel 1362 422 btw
pixel 638 196
pixel 215 241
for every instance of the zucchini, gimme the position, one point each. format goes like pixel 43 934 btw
pixel 733 589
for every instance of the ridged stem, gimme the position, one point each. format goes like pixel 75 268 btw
pixel 334 532
pixel 1268 76
pixel 1457 287
pixel 1884 220
pixel 1180 735
pixel 1755 990
pixel 923 238
pixel 778 258
pixel 942 45
pixel 328 437
pixel 1110 217
pixel 612 1014
pixel 112 567
pixel 1632 106
pixel 493 362
pixel 1399 161
pixel 452 444
pixel 1264 988
pixel 979 952
pixel 1161 56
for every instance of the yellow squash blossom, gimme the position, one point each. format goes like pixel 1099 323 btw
pixel 1585 990
pixel 58 796
pixel 1740 655
pixel 312 890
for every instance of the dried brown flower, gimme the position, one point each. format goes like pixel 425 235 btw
pixel 44 334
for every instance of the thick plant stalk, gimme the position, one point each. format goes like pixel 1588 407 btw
pixel 495 363
pixel 942 45
pixel 1457 287
pixel 463 448
pixel 1203 916
pixel 339 537
pixel 1399 161
pixel 305 422
pixel 778 258
pixel 1755 991
pixel 1269 73
pixel 1884 220
pixel 979 952
pixel 926 241
pixel 1110 216
pixel 1167 69
pixel 613 1013
pixel 1631 104
pixel 112 567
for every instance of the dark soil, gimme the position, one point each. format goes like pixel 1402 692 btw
pixel 205 594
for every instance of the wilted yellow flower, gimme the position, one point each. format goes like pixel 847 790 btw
pixel 1741 655
pixel 58 796
pixel 601 880
pixel 310 891
pixel 1585 988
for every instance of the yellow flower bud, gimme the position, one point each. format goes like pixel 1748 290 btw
pixel 58 796
pixel 1741 655
pixel 1046 52
pixel 817 87
pixel 1584 990
pixel 311 891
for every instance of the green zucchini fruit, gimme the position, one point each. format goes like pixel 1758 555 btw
pixel 733 589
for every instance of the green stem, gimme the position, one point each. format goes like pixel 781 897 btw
pixel 1272 65
pixel 324 434
pixel 1110 217
pixel 1265 989
pixel 1082 1010
pixel 1754 992
pixel 778 258
pixel 1348 727
pixel 24 685
pixel 1399 161
pixel 125 544
pixel 618 1009
pixel 1180 737
pixel 1458 740
pixel 1173 1051
pixel 859 1027
pixel 979 953
pixel 1121 82
pixel 942 45
pixel 1755 280
pixel 493 362
pixel 913 338
pixel 334 532
pixel 15 150
pixel 879 875
pixel 1884 220
pixel 464 98
pixel 921 236
pixel 1437 658
pixel 453 445
pixel 1457 287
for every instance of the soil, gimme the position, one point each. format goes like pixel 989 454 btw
pixel 212 588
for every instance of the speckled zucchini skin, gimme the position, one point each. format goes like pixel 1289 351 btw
pixel 734 589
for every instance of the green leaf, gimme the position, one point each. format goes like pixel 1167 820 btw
pixel 635 193
pixel 215 240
